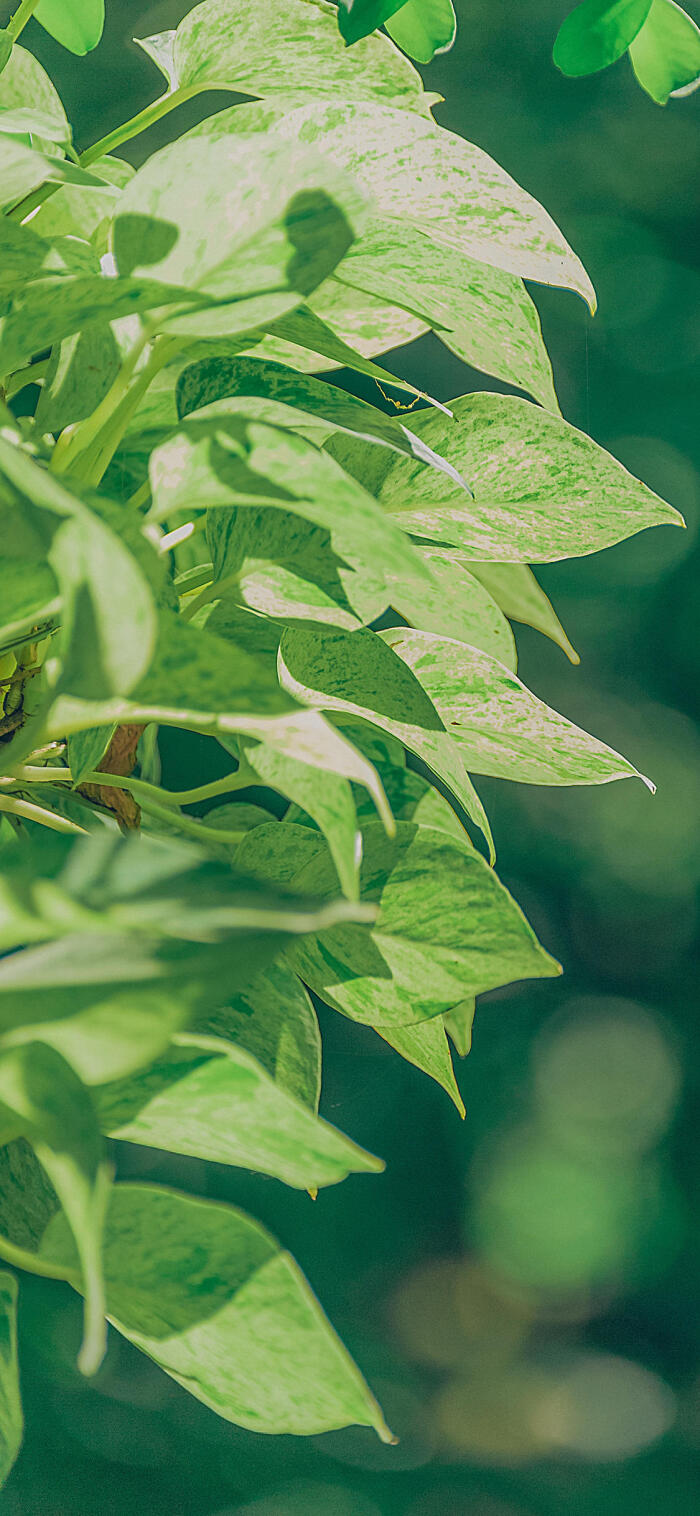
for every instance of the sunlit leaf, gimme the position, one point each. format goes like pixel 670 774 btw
pixel 273 1018
pixel 446 928
pixel 25 85
pixel 209 1295
pixel 277 223
pixel 498 724
pixel 302 55
pixel 425 1045
pixel 76 24
pixel 423 28
pixel 666 51
pixel 347 672
pixel 542 489
pixel 358 18
pixel 211 1099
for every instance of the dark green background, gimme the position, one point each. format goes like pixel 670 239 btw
pixel 522 1289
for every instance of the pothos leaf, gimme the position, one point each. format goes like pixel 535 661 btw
pixel 51 1108
pixel 208 1294
pixel 666 51
pixel 358 18
pixel 11 1420
pixel 423 28
pixel 76 24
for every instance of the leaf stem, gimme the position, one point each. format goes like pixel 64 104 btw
pixel 30 812
pixel 22 15
pixel 22 1258
pixel 139 123
pixel 241 779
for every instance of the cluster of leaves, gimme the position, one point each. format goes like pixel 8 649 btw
pixel 199 532
pixel 662 39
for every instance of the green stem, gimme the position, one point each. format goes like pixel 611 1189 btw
pixel 22 15
pixel 241 779
pixel 141 496
pixel 75 439
pixel 30 812
pixel 21 1258
pixel 139 123
pixel 23 376
pixel 32 201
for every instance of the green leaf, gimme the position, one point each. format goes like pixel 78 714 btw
pixel 425 177
pixel 455 604
pixel 76 24
pixel 211 1099
pixel 458 1022
pixel 358 18
pixel 79 211
pixel 423 28
pixel 425 1046
pixel 25 85
pixel 273 1019
pixel 278 222
pixel 5 50
pixel 23 168
pixel 29 598
pixel 109 620
pixel 543 490
pixel 209 1295
pixel 217 459
pixel 287 398
pixel 597 33
pixel 501 728
pixel 482 314
pixel 86 749
pixel 514 588
pixel 11 1419
pixel 53 1110
pixel 130 939
pixel 348 672
pixel 305 332
pixel 446 927
pixel 302 55
pixel 81 370
pixel 666 51
pixel 328 801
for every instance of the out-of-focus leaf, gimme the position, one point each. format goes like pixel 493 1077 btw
pixel 499 725
pixel 209 1295
pixel 76 24
pixel 86 749
pixel 55 1113
pixel 25 85
pixel 11 1419
pixel 666 51
pixel 423 28
pixel 22 168
pixel 597 33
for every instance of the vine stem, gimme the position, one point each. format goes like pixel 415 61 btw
pixel 29 812
pixel 139 123
pixel 22 15
pixel 241 779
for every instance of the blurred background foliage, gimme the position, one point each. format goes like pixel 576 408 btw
pixel 522 1289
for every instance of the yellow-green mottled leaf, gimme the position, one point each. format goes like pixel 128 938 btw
pixel 498 724
pixel 543 490
pixel 209 1295
pixel 515 589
